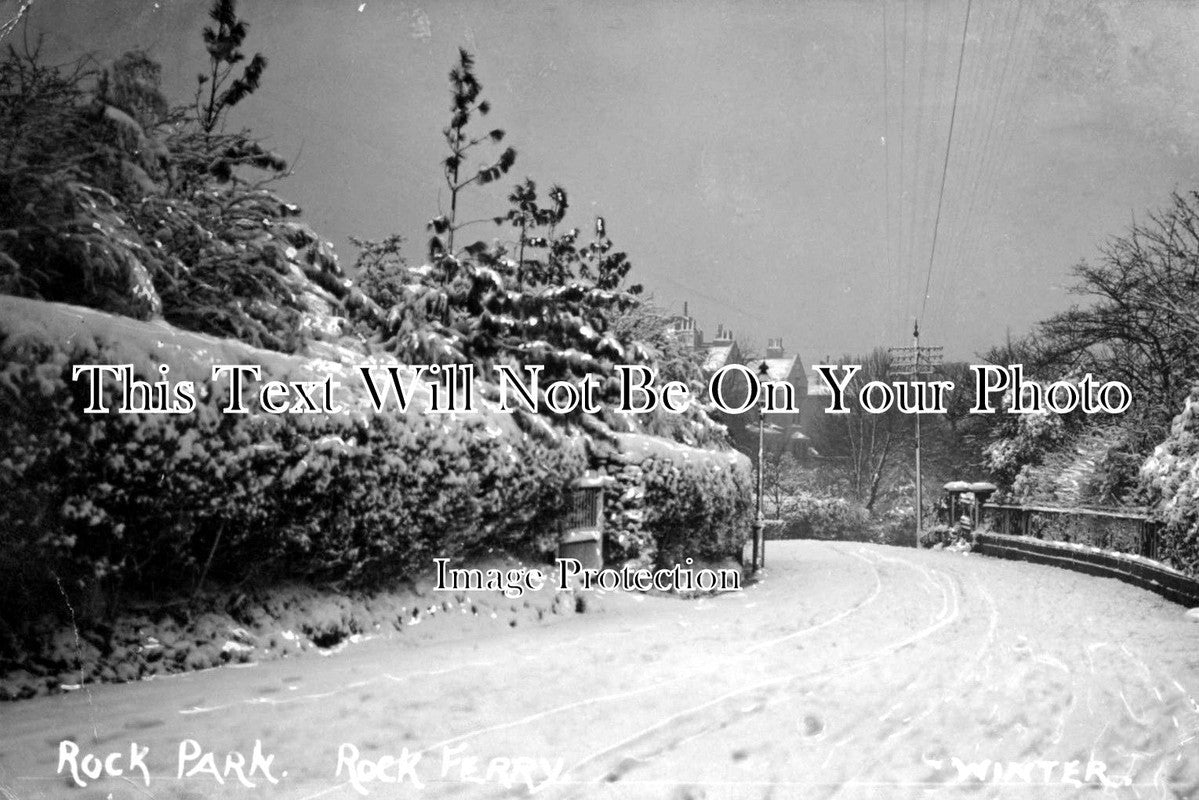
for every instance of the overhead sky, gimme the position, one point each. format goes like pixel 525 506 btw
pixel 776 164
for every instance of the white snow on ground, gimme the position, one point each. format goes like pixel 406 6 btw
pixel 852 671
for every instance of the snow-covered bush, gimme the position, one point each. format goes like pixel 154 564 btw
pixel 1023 441
pixel 811 516
pixel 896 527
pixel 1170 477
pixel 696 510
pixel 111 200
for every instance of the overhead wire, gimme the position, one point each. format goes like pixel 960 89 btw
pixel 890 260
pixel 909 238
pixel 985 144
pixel 977 147
pixel 986 112
pixel 915 173
pixel 903 115
pixel 945 168
pixel 982 85
pixel 1015 111
pixel 930 175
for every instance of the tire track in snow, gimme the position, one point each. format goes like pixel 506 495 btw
pixel 613 697
pixel 870 598
pixel 622 757
pixel 937 678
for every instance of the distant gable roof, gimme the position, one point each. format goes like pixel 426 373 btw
pixel 779 369
pixel 717 357
pixel 816 384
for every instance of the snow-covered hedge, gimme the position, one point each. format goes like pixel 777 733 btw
pixel 119 504
pixel 696 510
pixel 1171 478
pixel 138 503
pixel 670 501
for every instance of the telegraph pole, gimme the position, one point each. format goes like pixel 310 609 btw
pixel 919 496
pixel 916 363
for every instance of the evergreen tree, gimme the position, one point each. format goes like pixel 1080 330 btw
pixel 218 90
pixel 111 198
pixel 465 89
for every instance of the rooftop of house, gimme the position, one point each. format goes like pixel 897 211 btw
pixel 718 355
pixel 722 350
pixel 780 369
pixel 816 385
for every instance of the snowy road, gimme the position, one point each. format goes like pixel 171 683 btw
pixel 853 671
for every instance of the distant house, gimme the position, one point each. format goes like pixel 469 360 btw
pixel 782 430
pixel 819 395
pixel 718 352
